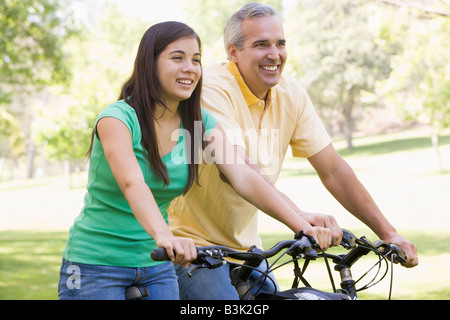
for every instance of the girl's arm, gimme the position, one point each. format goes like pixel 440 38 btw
pixel 251 186
pixel 116 141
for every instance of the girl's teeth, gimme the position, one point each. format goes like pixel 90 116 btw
pixel 185 81
pixel 270 68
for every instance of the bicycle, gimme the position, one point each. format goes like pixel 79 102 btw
pixel 301 247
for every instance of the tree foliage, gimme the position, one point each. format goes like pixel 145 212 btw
pixel 101 62
pixel 11 141
pixel 420 81
pixel 339 51
pixel 32 34
pixel 419 85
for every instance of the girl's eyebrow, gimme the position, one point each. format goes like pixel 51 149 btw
pixel 182 52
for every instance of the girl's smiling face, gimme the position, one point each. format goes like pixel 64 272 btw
pixel 179 70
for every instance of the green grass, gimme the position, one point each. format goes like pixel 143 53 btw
pixel 390 143
pixel 29 264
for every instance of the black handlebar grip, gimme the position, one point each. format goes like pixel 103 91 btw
pixel 159 254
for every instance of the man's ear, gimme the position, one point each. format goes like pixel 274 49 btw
pixel 233 53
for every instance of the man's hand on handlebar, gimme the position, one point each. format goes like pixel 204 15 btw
pixel 408 248
pixel 325 221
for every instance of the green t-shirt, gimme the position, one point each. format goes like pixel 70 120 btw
pixel 106 231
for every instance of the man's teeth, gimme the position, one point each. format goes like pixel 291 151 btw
pixel 270 68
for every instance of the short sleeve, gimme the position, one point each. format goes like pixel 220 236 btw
pixel 219 103
pixel 310 135
pixel 125 113
pixel 209 121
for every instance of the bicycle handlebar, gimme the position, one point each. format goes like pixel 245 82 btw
pixel 301 245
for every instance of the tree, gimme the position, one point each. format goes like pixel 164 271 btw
pixel 31 55
pixel 101 62
pixel 31 39
pixel 11 139
pixel 427 8
pixel 420 82
pixel 337 50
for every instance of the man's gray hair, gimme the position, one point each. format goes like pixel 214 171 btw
pixel 233 33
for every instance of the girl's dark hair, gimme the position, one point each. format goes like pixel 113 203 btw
pixel 142 91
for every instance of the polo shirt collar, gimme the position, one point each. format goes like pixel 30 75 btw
pixel 249 97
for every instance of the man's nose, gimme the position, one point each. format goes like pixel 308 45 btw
pixel 273 52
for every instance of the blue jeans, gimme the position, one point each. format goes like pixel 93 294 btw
pixel 79 281
pixel 215 284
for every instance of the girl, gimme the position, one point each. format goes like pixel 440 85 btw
pixel 133 175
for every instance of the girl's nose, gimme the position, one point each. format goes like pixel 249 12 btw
pixel 188 67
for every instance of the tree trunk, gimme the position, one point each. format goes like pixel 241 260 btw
pixel 437 152
pixel 31 152
pixel 349 126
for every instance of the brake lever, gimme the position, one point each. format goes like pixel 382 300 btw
pixel 305 245
pixel 348 239
pixel 399 254
pixel 206 262
pixel 391 248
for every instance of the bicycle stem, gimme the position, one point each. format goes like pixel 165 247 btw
pixel 240 275
pixel 347 282
pixel 344 263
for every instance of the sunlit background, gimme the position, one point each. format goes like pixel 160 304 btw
pixel 377 71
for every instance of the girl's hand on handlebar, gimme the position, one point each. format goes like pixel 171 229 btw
pixel 180 250
pixel 321 235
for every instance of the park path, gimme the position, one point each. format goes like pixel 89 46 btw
pixel 43 204
pixel 408 192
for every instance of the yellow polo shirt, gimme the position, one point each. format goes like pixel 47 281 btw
pixel 213 213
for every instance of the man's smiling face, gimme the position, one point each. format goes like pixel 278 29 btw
pixel 262 58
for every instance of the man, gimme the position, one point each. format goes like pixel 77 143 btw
pixel 263 112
